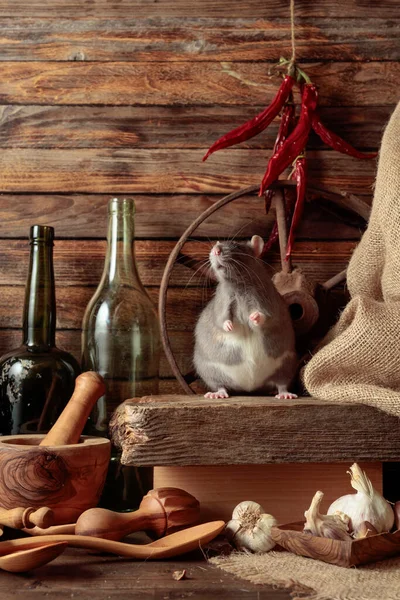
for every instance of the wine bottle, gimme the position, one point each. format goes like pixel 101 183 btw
pixel 121 341
pixel 37 379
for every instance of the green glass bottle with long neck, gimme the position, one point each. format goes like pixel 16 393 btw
pixel 37 379
pixel 121 341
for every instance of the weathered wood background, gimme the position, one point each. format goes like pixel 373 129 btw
pixel 101 98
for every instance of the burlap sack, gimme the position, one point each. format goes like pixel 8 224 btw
pixel 307 579
pixel 360 361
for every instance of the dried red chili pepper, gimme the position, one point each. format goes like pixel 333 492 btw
pixel 335 141
pixel 296 141
pixel 273 237
pixel 300 175
pixel 257 123
pixel 285 128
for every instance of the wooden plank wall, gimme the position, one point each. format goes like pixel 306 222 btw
pixel 122 97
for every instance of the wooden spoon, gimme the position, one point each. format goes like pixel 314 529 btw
pixel 25 560
pixel 172 545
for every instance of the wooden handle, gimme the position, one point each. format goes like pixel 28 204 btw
pixel 20 518
pixel 176 544
pixel 109 525
pixel 161 511
pixel 54 530
pixel 89 387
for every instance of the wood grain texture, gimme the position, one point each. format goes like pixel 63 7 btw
pixel 209 8
pixel 200 432
pixel 165 171
pixel 344 553
pixel 70 340
pixel 189 83
pixel 197 39
pixel 111 578
pixel 164 216
pixel 166 126
pixel 82 265
pixel 283 490
pixel 68 479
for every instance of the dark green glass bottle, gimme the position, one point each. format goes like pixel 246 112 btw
pixel 121 341
pixel 36 379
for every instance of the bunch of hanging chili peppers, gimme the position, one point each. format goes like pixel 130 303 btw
pixel 290 144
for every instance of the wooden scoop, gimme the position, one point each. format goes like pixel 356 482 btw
pixel 172 545
pixel 161 511
pixel 20 518
pixel 26 560
pixel 89 387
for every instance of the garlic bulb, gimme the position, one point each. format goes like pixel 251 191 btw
pixel 250 528
pixel 366 505
pixel 332 526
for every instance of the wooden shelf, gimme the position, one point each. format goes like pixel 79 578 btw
pixel 180 430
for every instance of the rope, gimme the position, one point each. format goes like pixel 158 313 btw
pixel 293 59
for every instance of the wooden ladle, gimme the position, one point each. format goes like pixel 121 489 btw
pixel 175 544
pixel 26 560
pixel 162 511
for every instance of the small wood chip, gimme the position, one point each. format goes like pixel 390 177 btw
pixel 178 575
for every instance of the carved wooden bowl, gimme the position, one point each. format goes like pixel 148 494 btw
pixel 68 479
pixel 344 553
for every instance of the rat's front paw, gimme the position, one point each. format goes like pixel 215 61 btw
pixel 257 318
pixel 227 326
pixel 222 393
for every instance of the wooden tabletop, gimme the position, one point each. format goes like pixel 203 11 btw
pixel 82 575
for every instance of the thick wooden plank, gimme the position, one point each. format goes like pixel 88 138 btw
pixel 209 8
pixel 164 171
pixel 165 216
pixel 175 39
pixel 190 83
pixel 202 432
pixel 166 126
pixel 82 264
pixel 111 578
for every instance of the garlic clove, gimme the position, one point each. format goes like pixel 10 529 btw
pixel 365 530
pixel 366 505
pixel 231 529
pixel 329 526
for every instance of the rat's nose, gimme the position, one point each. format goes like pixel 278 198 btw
pixel 216 249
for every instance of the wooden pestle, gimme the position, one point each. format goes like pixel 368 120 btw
pixel 89 387
pixel 162 511
pixel 20 518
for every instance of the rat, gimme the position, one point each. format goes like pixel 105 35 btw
pixel 244 337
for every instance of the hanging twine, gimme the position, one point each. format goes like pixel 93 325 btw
pixel 292 25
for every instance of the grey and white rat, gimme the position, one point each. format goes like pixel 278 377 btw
pixel 244 338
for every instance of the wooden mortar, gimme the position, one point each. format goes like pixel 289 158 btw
pixel 36 471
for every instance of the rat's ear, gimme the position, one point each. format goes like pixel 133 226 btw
pixel 257 243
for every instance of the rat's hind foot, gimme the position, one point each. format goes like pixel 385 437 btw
pixel 221 393
pixel 283 394
pixel 257 318
pixel 227 326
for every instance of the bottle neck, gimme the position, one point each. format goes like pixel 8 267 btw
pixel 120 265
pixel 39 324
